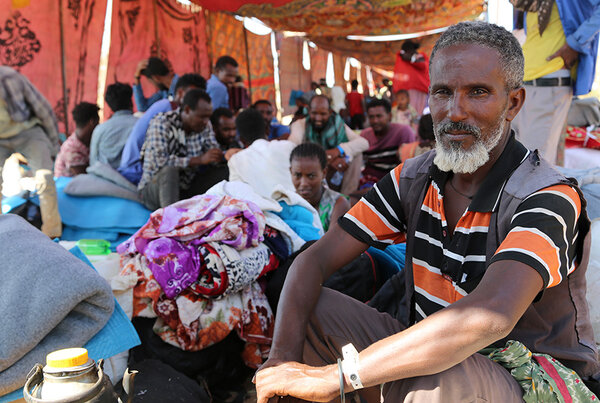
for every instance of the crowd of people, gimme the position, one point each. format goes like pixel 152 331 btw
pixel 495 238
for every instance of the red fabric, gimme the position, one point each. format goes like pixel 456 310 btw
pixel 411 76
pixel 355 103
pixel 560 383
pixel 33 48
pixel 178 37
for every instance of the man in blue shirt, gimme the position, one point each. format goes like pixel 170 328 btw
pixel 159 74
pixel 131 164
pixel 226 71
pixel 109 138
pixel 560 61
pixel 275 131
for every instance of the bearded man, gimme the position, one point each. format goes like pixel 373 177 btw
pixel 343 146
pixel 495 258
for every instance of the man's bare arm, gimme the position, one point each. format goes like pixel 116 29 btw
pixel 303 287
pixel 435 344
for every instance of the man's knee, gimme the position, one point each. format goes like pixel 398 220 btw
pixel 168 173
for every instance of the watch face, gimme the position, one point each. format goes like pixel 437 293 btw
pixel 353 377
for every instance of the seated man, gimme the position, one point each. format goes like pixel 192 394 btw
pixel 223 124
pixel 178 144
pixel 28 126
pixel 131 164
pixel 159 74
pixel 226 72
pixel 343 146
pixel 262 164
pixel 74 155
pixel 384 139
pixel 275 131
pixel 109 138
pixel 495 252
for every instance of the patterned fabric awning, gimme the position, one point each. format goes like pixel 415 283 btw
pixel 380 54
pixel 352 17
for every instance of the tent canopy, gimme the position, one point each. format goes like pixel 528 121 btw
pixel 339 18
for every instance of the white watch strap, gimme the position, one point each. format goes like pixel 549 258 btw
pixel 350 365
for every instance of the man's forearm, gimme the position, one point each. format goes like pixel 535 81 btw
pixel 295 306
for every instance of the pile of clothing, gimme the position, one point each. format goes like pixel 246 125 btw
pixel 197 267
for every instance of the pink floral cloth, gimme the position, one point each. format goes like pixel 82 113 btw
pixel 204 218
pixel 194 266
pixel 72 153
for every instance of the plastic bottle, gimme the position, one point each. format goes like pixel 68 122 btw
pixel 94 246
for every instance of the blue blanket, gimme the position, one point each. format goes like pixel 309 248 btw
pixel 300 220
pixel 92 217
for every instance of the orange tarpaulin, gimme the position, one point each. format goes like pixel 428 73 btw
pixel 159 28
pixel 353 17
pixel 30 42
pixel 227 38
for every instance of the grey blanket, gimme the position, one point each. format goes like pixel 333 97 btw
pixel 102 180
pixel 49 300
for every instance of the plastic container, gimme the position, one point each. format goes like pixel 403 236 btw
pixel 94 246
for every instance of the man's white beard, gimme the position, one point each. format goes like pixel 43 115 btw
pixel 454 158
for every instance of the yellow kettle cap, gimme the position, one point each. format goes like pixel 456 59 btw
pixel 68 357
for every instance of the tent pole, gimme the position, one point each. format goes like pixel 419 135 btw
pixel 248 64
pixel 63 66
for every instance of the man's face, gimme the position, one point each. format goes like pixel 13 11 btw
pixel 266 111
pixel 469 105
pixel 228 74
pixel 195 120
pixel 379 119
pixel 225 132
pixel 319 113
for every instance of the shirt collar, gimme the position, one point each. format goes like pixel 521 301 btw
pixel 123 112
pixel 486 198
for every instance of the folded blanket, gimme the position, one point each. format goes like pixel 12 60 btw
pixel 92 185
pixel 98 213
pixel 49 298
pixel 107 172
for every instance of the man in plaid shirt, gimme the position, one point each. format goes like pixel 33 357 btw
pixel 181 157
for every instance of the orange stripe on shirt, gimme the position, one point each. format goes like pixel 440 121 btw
pixel 567 191
pixel 474 219
pixel 433 202
pixel 526 240
pixel 435 284
pixel 374 223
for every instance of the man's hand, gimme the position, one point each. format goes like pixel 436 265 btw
pixel 332 154
pixel 213 155
pixel 314 384
pixel 229 153
pixel 138 70
pixel 568 54
pixel 339 164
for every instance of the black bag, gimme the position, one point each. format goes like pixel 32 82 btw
pixel 29 211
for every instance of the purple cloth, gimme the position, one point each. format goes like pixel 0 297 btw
pixel 174 265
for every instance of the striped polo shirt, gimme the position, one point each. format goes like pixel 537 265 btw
pixel 447 266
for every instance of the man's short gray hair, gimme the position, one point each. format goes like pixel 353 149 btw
pixel 491 36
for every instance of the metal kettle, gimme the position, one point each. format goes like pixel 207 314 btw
pixel 71 377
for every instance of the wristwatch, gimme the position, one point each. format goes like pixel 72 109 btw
pixel 350 365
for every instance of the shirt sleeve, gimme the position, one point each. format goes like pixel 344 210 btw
pixel 378 218
pixel 141 102
pixel 543 233
pixel 582 39
pixel 355 144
